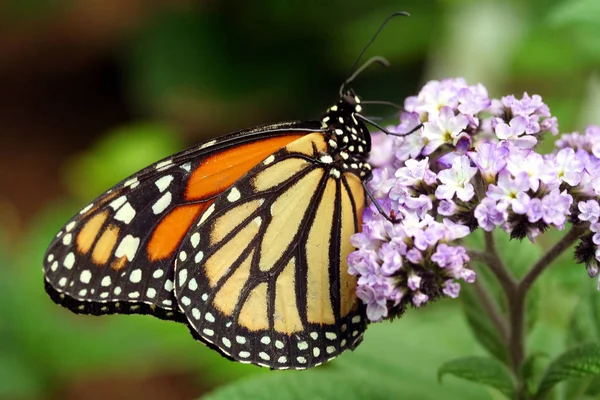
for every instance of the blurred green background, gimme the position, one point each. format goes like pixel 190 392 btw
pixel 92 90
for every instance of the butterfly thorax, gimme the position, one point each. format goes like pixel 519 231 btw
pixel 348 137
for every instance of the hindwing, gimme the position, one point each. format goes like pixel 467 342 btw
pixel 262 276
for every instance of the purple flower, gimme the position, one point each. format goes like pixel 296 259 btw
pixel 534 165
pixel 490 158
pixel 451 289
pixel 488 216
pixel 445 256
pixel 381 182
pixel 527 105
pixel 473 100
pixel 376 302
pixel 446 208
pixel 515 132
pixel 415 256
pixel 568 166
pixel 445 128
pixel 507 188
pixel 391 259
pixel 535 211
pixel 550 125
pixel 457 180
pixel 414 281
pixel 414 172
pixel 589 210
pixel 555 206
pixel 520 203
pixel 419 299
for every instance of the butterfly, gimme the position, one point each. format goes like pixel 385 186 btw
pixel 244 238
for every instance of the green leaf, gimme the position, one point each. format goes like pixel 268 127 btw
pixel 484 370
pixel 578 362
pixel 531 370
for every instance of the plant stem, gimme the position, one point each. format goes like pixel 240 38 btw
pixel 490 306
pixel 497 267
pixel 516 303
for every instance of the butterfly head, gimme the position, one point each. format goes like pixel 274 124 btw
pixel 349 130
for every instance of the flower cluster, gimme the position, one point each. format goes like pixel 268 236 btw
pixel 473 164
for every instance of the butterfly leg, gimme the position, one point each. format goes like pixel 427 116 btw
pixel 392 217
pixel 382 129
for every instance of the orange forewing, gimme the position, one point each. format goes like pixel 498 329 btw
pixel 219 171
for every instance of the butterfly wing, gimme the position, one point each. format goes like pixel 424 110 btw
pixel 262 277
pixel 117 254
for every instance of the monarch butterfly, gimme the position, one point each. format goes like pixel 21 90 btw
pixel 244 238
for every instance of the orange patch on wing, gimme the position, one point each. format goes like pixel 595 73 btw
pixel 119 263
pixel 90 230
pixel 170 231
pixel 219 171
pixel 105 245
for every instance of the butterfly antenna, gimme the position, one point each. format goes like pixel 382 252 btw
pixel 396 14
pixel 360 69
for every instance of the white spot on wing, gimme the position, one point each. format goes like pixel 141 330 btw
pixel 125 213
pixel 67 239
pixel 128 247
pixel 106 281
pixel 302 345
pixel 136 276
pixel 161 166
pixel 182 277
pixel 118 202
pixel 195 313
pixel 187 166
pixel 150 293
pixel 207 213
pixel 162 203
pixel 269 159
pixel 163 183
pixel 234 195
pixel 208 144
pixel 86 208
pixel 132 183
pixel 85 276
pixel 70 226
pixel 326 159
pixel 195 239
pixel 69 261
pixel 158 273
